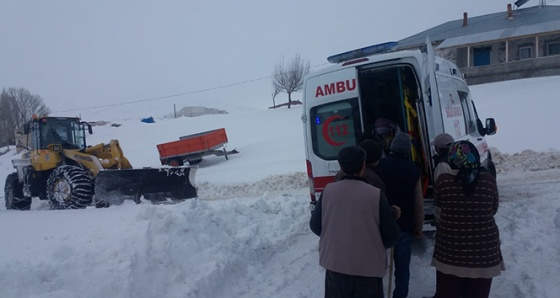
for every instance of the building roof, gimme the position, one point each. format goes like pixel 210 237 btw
pixel 525 21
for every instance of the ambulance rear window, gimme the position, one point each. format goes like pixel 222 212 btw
pixel 334 126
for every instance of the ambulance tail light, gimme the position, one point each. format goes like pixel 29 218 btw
pixel 363 52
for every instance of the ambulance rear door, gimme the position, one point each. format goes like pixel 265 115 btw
pixel 331 121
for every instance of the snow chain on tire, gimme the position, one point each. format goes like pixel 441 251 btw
pixel 69 187
pixel 13 194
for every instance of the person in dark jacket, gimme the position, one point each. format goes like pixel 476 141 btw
pixel 403 188
pixel 356 225
pixel 467 252
pixel 373 154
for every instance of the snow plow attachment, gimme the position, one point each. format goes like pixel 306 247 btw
pixel 158 185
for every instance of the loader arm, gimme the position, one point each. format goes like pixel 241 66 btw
pixel 110 155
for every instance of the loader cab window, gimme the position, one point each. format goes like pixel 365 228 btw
pixel 334 126
pixel 69 134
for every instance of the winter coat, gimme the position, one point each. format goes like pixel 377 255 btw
pixel 403 188
pixel 440 158
pixel 370 176
pixel 356 225
pixel 467 238
pixel 441 165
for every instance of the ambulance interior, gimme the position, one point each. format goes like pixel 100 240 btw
pixel 391 93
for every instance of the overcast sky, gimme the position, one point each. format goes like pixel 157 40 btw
pixel 79 54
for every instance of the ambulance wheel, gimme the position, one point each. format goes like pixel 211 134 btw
pixel 13 194
pixel 69 187
pixel 491 166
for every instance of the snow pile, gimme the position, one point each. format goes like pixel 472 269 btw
pixel 195 112
pixel 527 160
pixel 273 183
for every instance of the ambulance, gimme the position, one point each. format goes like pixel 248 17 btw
pixel 424 94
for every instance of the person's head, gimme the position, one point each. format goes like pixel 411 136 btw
pixel 463 155
pixel 442 142
pixel 384 130
pixel 352 160
pixel 382 127
pixel 373 150
pixel 401 144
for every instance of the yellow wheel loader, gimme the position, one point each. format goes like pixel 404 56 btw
pixel 59 167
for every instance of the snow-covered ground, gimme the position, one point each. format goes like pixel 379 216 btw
pixel 247 235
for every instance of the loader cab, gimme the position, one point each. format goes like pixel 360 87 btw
pixel 68 133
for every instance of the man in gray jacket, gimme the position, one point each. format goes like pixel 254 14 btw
pixel 356 226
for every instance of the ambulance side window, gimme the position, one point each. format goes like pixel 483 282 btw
pixel 334 126
pixel 467 113
pixel 453 115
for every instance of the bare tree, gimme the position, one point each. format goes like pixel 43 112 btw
pixel 275 91
pixel 8 112
pixel 17 106
pixel 27 105
pixel 289 78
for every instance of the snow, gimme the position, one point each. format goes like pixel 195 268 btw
pixel 247 234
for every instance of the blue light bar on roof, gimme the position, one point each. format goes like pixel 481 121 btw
pixel 363 52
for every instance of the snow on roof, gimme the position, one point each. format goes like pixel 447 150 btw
pixel 528 21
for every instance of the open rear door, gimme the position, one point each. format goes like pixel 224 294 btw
pixel 432 101
pixel 433 117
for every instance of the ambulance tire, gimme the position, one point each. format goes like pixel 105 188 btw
pixel 491 166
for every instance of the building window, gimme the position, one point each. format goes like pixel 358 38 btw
pixel 525 52
pixel 481 56
pixel 552 48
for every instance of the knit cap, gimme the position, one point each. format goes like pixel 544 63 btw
pixel 401 143
pixel 443 140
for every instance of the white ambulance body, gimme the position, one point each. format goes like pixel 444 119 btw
pixel 424 94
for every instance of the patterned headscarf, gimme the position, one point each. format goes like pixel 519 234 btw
pixel 464 156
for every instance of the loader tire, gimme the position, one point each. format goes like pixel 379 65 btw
pixel 69 187
pixel 13 194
